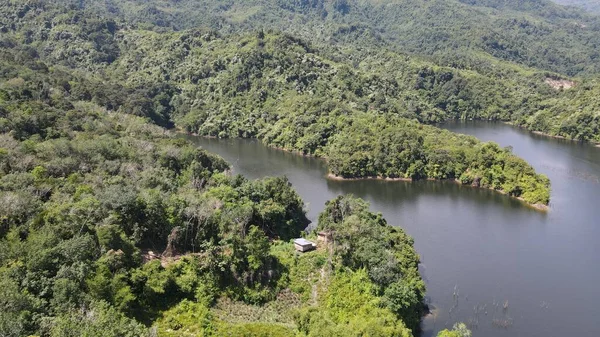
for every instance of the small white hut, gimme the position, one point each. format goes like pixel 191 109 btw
pixel 303 245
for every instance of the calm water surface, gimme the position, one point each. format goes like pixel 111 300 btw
pixel 480 250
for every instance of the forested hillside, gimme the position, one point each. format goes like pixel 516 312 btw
pixel 91 181
pixel 112 226
pixel 87 196
pixel 282 90
pixel 464 81
pixel 535 33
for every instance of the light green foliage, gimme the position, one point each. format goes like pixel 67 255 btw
pixel 350 307
pixel 99 320
pixel 363 240
pixel 255 330
pixel 303 270
pixel 107 187
pixel 322 298
pixel 186 318
pixel 459 330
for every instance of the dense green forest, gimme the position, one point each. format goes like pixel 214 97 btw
pixel 535 33
pixel 465 74
pixel 280 89
pixel 498 43
pixel 84 206
pixel 112 226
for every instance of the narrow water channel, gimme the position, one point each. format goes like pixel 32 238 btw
pixel 488 260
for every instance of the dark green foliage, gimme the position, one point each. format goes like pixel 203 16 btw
pixel 397 148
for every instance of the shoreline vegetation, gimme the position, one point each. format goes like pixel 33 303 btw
pixel 540 133
pixel 368 146
pixel 549 135
pixel 332 176
pixel 522 127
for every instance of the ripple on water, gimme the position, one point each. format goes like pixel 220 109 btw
pixel 572 173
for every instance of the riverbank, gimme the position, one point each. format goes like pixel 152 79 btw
pixel 332 176
pixel 540 133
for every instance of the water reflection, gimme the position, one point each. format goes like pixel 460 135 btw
pixel 408 193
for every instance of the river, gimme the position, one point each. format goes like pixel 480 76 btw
pixel 488 260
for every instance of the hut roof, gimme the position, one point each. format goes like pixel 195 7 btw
pixel 303 242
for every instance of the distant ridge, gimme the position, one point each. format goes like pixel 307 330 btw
pixel 592 6
pixel 533 33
